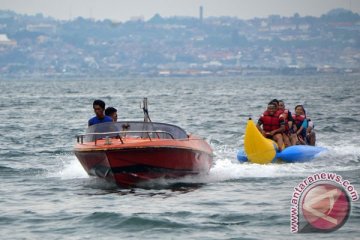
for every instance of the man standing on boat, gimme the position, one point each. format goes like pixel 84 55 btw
pixel 99 107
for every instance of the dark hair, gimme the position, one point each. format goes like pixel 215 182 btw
pixel 301 107
pixel 109 111
pixel 281 101
pixel 100 103
pixel 272 104
pixel 275 101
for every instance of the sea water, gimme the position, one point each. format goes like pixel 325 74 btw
pixel 46 194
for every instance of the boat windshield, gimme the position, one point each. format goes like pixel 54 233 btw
pixel 134 129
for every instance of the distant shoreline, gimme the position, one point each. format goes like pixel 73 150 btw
pixel 40 76
pixel 36 46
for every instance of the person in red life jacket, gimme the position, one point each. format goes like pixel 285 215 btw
pixel 276 103
pixel 306 132
pixel 288 133
pixel 273 124
pixel 299 125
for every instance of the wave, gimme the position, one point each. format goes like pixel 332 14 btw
pixel 68 167
pixel 330 129
pixel 7 170
pixel 137 221
pixel 338 158
pixel 15 172
pixel 348 120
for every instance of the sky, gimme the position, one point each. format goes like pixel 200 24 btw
pixel 123 10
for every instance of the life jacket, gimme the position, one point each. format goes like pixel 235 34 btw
pixel 270 122
pixel 285 114
pixel 298 120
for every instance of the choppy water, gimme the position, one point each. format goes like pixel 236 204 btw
pixel 46 194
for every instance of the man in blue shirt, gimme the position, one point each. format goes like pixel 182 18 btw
pixel 100 117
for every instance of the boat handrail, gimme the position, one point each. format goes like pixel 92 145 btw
pixel 80 137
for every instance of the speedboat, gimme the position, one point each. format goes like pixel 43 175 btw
pixel 132 152
pixel 261 150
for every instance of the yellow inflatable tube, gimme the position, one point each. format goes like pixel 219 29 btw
pixel 258 149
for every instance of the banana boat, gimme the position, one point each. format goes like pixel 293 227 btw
pixel 261 150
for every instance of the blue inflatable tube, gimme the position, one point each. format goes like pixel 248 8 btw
pixel 297 153
pixel 241 156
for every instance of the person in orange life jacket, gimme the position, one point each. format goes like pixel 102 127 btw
pixel 273 124
pixel 288 132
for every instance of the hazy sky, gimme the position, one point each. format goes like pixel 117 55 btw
pixel 125 9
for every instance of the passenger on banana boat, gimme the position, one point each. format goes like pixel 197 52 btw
pixel 273 124
pixel 303 127
pixel 288 133
pixel 286 129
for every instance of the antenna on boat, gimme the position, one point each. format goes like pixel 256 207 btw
pixel 146 114
pixel 145 110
